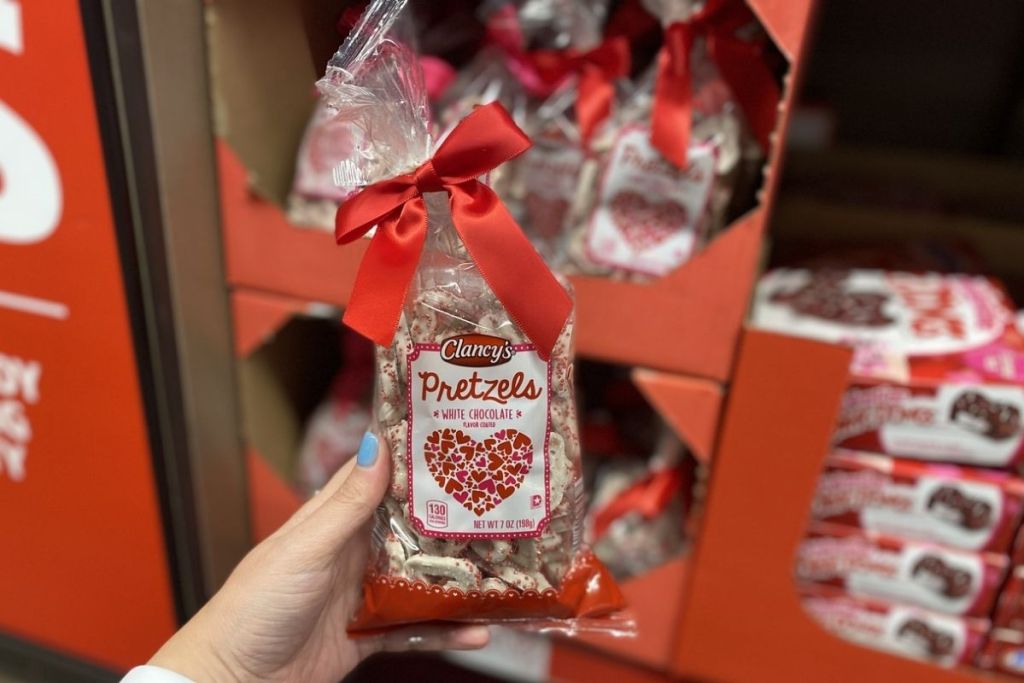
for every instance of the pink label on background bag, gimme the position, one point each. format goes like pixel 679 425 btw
pixel 649 214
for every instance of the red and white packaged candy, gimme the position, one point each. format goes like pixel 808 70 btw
pixel 938 367
pixel 663 176
pixel 554 52
pixel 314 197
pixel 1010 607
pixel 639 509
pixel 474 368
pixel 963 508
pixel 912 632
pixel 883 567
pixel 1004 652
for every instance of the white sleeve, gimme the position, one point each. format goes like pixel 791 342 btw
pixel 154 674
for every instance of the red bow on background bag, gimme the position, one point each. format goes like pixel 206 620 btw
pixel 508 262
pixel 597 70
pixel 739 62
pixel 649 497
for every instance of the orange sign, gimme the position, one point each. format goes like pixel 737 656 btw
pixel 84 567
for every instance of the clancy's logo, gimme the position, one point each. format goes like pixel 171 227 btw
pixel 476 350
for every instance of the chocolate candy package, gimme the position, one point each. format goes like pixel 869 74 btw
pixel 938 364
pixel 665 174
pixel 474 367
pixel 966 508
pixel 902 630
pixel 890 568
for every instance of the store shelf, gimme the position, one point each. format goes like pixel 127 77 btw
pixel 265 252
pixel 271 499
pixel 743 620
pixel 690 405
pixel 258 317
pixel 699 309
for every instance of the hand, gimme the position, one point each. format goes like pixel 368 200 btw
pixel 282 613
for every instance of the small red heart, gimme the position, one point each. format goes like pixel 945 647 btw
pixel 506 491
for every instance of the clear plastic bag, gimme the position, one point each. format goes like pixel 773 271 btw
pixel 483 519
pixel 639 215
pixel 638 516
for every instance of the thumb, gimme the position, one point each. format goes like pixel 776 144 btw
pixel 349 499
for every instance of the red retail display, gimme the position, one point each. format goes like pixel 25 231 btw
pixel 85 570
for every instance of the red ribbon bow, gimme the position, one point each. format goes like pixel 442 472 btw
pixel 739 62
pixel 508 262
pixel 596 69
pixel 649 497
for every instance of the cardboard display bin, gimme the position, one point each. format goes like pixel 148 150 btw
pixel 262 73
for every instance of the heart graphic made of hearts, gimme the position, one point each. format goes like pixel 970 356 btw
pixel 546 215
pixel 646 224
pixel 478 474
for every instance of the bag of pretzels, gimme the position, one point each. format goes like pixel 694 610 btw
pixel 474 366
pixel 683 155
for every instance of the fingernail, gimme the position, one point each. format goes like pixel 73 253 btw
pixel 367 454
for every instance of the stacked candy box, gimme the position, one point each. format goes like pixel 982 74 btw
pixel 938 368
pixel 927 575
pixel 937 386
pixel 908 631
pixel 958 507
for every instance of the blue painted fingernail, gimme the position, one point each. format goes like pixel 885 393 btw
pixel 367 454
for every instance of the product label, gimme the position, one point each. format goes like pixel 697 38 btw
pixel 886 314
pixel 649 214
pixel 478 438
pixel 971 424
pixel 549 173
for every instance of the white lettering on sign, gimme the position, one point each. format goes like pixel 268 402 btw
pixel 19 388
pixel 10 27
pixel 31 197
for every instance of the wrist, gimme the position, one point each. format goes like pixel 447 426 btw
pixel 193 652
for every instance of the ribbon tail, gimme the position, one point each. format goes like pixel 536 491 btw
pixel 671 118
pixel 386 271
pixel 513 269
pixel 752 84
pixel 593 101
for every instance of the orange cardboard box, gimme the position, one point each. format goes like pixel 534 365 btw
pixel 271 429
pixel 741 596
